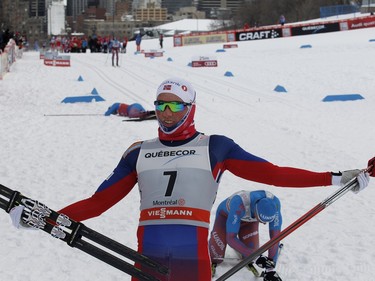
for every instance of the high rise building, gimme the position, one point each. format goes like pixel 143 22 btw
pixel 15 14
pixel 219 8
pixel 173 6
pixel 27 17
pixel 93 3
pixel 144 4
pixel 109 5
pixel 37 8
pixel 76 7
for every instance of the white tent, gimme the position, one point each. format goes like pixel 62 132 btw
pixel 186 26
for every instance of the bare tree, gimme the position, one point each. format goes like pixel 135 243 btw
pixel 267 12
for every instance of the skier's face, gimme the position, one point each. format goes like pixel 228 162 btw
pixel 169 118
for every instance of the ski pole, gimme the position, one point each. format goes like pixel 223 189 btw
pixel 89 114
pixel 299 222
pixel 106 58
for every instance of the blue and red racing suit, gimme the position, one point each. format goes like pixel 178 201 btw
pixel 237 225
pixel 178 182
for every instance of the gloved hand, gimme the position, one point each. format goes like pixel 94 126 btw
pixel 16 217
pixel 271 276
pixel 371 164
pixel 112 109
pixel 265 262
pixel 342 178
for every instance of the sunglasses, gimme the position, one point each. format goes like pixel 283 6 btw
pixel 174 106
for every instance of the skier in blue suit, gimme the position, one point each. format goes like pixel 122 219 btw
pixel 237 225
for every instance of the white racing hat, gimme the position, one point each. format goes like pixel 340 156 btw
pixel 179 87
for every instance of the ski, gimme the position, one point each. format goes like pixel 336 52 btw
pixel 76 234
pixel 72 114
pixel 292 227
pixel 253 269
pixel 229 259
pixel 249 266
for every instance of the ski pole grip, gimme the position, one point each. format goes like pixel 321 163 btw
pixel 369 170
pixel 371 165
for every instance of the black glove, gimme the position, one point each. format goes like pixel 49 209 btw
pixel 271 276
pixel 264 262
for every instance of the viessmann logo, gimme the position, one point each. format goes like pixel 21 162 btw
pixel 164 213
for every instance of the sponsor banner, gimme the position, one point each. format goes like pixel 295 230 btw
pixel 344 25
pixel 231 36
pixel 41 55
pixel 258 34
pixel 229 46
pixel 51 55
pixel 192 40
pixel 315 28
pixel 286 32
pixel 153 53
pixel 177 41
pixel 361 23
pixel 204 61
pixel 204 39
pixel 52 60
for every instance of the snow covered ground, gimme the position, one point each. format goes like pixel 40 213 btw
pixel 61 159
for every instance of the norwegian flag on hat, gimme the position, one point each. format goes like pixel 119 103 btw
pixel 179 87
pixel 167 87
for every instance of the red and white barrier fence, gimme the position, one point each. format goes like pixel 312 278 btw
pixel 272 31
pixel 8 57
